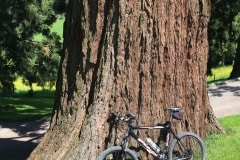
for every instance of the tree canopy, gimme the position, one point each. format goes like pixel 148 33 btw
pixel 21 54
pixel 223 32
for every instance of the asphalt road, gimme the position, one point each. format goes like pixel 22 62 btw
pixel 17 140
pixel 225 97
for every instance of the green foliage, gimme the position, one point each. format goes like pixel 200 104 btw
pixel 36 61
pixel 42 66
pixel 223 32
pixel 60 6
pixel 56 28
pixel 225 146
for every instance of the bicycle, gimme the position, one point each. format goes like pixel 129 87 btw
pixel 184 146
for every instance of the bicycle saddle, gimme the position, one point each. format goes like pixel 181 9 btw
pixel 174 108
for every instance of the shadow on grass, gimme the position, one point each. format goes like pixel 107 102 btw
pixel 17 109
pixel 36 94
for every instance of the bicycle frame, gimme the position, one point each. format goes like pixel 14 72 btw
pixel 131 133
pixel 176 150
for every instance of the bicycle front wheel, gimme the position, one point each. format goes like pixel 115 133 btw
pixel 117 153
pixel 187 146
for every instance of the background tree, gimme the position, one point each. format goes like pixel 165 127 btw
pixel 235 71
pixel 42 62
pixel 19 22
pixel 223 33
pixel 127 56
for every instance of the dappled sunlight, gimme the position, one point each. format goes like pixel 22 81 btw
pixel 20 86
pixel 19 109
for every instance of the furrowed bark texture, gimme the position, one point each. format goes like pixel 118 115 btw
pixel 128 57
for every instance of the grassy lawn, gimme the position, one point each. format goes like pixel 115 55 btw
pixel 13 109
pixel 225 147
pixel 21 107
pixel 20 87
pixel 219 73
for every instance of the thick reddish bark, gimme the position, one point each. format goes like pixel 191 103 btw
pixel 128 57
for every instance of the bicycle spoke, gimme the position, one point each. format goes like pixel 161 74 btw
pixel 188 148
pixel 185 146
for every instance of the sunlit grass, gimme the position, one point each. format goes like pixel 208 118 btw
pixel 220 73
pixel 21 107
pixel 225 146
pixel 22 89
pixel 20 86
pixel 24 108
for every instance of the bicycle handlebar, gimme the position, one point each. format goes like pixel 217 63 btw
pixel 130 117
pixel 174 108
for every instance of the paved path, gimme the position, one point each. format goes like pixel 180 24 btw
pixel 17 140
pixel 225 97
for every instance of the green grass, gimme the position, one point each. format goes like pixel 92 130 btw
pixel 21 87
pixel 21 107
pixel 219 73
pixel 225 147
pixel 16 109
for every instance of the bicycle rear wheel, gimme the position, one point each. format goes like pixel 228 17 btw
pixel 117 153
pixel 188 146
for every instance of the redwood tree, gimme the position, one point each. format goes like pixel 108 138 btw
pixel 123 57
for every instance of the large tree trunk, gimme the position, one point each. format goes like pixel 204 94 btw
pixel 128 57
pixel 235 71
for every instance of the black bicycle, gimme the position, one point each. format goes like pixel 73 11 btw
pixel 184 146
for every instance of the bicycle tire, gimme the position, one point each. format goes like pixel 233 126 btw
pixel 187 146
pixel 116 153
